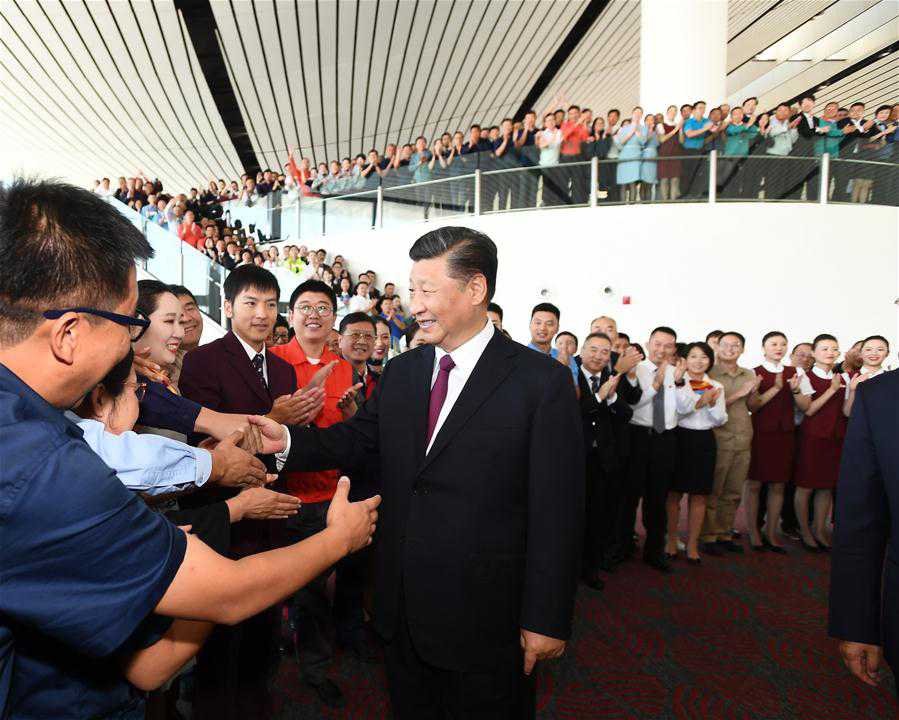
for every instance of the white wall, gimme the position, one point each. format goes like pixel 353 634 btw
pixel 753 267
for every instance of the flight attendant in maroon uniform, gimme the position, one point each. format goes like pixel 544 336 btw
pixel 773 438
pixel 821 442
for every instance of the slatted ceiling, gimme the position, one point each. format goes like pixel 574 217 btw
pixel 604 70
pixel 876 84
pixel 742 13
pixel 408 33
pixel 782 20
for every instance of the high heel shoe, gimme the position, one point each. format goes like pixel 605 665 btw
pixel 810 548
pixel 771 547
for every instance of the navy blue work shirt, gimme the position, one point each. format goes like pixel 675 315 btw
pixel 83 562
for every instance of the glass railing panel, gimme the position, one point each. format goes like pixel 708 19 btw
pixel 312 218
pixel 350 213
pixel 428 200
pixel 864 182
pixel 167 248
pixel 767 177
pixel 205 279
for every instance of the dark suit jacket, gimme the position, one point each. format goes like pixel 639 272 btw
pixel 620 420
pixel 599 421
pixel 482 536
pixel 864 590
pixel 220 376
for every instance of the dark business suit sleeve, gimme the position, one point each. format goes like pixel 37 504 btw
pixel 860 536
pixel 628 393
pixel 556 510
pixel 344 445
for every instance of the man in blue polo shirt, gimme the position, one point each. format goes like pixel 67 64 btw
pixel 85 563
pixel 544 326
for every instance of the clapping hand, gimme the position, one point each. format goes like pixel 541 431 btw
pixel 837 382
pixel 794 382
pixel 660 375
pixel 539 647
pixel 347 402
pixel 680 368
pixel 301 408
pixel 608 388
pixel 627 361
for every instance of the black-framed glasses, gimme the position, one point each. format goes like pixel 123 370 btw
pixel 137 325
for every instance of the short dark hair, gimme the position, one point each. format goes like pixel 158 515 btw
pixel 821 338
pixel 60 246
pixel 751 97
pixel 180 290
pixel 714 334
pixel 772 334
pixel 857 103
pixel 879 110
pixel 281 321
pixel 546 307
pixel 315 286
pixel 409 333
pixel 468 252
pixel 356 317
pixel 597 335
pixel 614 110
pixel 807 96
pixel 704 347
pixel 799 345
pixel 625 336
pixel 493 307
pixel 148 292
pixel 571 334
pixel 249 276
pixel 574 107
pixel 734 333
pixel 664 329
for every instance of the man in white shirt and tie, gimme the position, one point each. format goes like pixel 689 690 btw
pixel 653 459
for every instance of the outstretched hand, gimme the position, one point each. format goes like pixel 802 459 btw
pixel 539 647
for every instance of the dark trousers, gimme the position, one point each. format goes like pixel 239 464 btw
pixel 602 499
pixel 653 463
pixel 351 577
pixel 694 182
pixel 309 609
pixel 555 186
pixel 525 194
pixel 577 177
pixel 420 691
pixel 234 668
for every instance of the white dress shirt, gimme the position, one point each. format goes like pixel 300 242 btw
pixel 610 400
pixel 872 373
pixel 465 357
pixel 706 417
pixel 358 303
pixel 646 372
pixel 251 353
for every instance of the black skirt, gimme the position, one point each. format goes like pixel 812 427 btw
pixel 696 469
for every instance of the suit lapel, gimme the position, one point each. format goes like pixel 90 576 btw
pixel 420 398
pixel 241 363
pixel 491 369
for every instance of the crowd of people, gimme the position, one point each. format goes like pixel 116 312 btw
pixel 145 442
pixel 645 156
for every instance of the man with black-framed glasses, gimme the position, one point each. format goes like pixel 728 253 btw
pixel 311 313
pixel 85 562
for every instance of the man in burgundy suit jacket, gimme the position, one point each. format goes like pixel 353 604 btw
pixel 237 374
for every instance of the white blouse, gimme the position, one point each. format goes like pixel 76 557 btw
pixel 706 417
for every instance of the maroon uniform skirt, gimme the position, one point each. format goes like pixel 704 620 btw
pixel 818 464
pixel 772 457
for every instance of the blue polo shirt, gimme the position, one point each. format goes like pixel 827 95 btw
pixel 694 143
pixel 554 353
pixel 83 562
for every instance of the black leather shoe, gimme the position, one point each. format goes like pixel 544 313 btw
pixel 694 561
pixel 660 564
pixel 714 548
pixel 328 693
pixel 758 548
pixel 809 548
pixel 593 580
pixel 730 546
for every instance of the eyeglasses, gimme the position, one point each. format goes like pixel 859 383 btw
pixel 136 325
pixel 140 389
pixel 320 310
pixel 360 336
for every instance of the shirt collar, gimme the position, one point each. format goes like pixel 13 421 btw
pixel 35 405
pixel 248 349
pixel 866 371
pixel 468 353
pixel 588 374
pixel 821 374
pixel 773 367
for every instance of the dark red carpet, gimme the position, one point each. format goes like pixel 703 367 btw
pixel 739 638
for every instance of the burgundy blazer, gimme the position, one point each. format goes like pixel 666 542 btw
pixel 220 376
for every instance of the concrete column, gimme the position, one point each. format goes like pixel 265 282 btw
pixel 683 53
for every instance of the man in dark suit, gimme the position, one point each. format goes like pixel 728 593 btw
pixel 482 468
pixel 601 405
pixel 237 374
pixel 806 124
pixel 864 591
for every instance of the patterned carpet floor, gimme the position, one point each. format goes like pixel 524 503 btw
pixel 738 638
